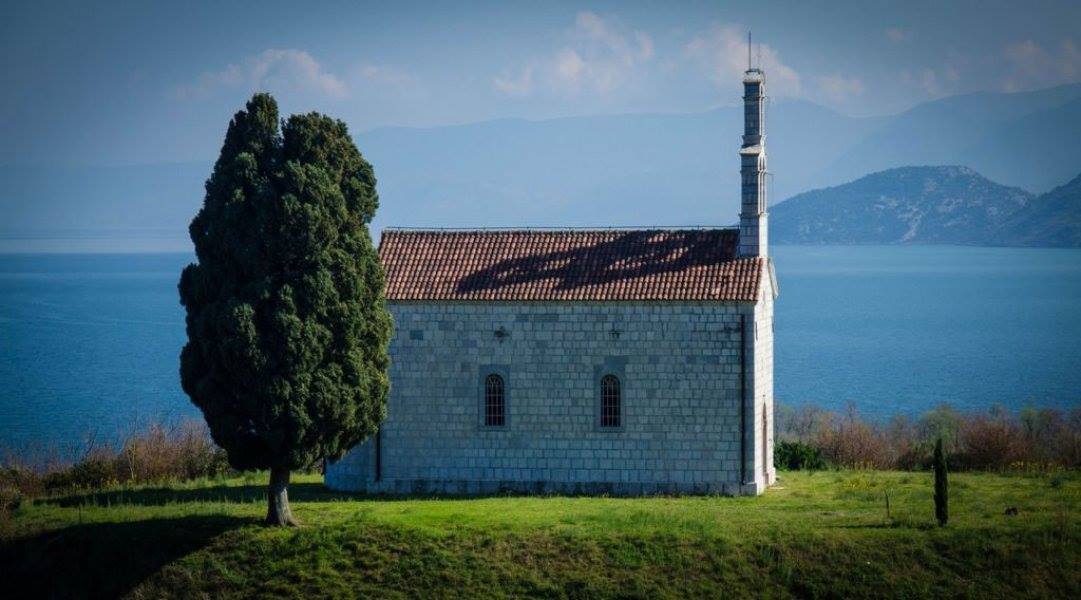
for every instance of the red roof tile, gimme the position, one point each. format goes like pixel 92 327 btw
pixel 570 264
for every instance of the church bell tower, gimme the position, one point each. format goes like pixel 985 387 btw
pixel 753 218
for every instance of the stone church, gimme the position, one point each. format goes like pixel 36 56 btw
pixel 580 361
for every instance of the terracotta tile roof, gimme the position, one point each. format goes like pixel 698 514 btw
pixel 568 264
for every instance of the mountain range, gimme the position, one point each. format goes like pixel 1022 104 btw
pixel 930 205
pixel 634 169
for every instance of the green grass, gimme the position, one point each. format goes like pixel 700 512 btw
pixel 824 534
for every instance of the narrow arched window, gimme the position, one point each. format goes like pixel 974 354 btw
pixel 495 402
pixel 610 401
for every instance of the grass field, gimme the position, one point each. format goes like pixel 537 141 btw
pixel 825 534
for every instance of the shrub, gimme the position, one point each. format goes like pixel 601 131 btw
pixel 10 497
pixel 1065 439
pixel 855 443
pixel 989 443
pixel 798 456
pixel 1042 440
pixel 157 454
pixel 24 481
pixel 92 473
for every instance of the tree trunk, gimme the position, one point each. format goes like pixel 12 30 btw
pixel 278 513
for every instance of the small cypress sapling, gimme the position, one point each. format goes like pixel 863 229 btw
pixel 941 486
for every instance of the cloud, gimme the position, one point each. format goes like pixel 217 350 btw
pixel 935 83
pixel 516 85
pixel 722 51
pixel 837 88
pixel 1028 65
pixel 645 45
pixel 599 57
pixel 897 35
pixel 386 76
pixel 275 70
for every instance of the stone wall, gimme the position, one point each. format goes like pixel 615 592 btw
pixel 679 366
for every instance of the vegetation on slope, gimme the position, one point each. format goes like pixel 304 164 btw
pixel 995 440
pixel 930 205
pixel 821 534
pixel 1053 219
pixel 907 205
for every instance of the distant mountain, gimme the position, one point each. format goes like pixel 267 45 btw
pixel 1030 140
pixel 634 169
pixel 667 169
pixel 929 205
pixel 1053 219
pixel 602 170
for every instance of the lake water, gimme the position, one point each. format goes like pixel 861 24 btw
pixel 91 342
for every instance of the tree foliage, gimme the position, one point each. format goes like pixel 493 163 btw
pixel 287 327
pixel 942 511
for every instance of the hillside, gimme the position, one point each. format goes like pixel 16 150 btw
pixel 816 534
pixel 914 205
pixel 1053 219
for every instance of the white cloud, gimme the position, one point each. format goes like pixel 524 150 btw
pixel 944 78
pixel 387 76
pixel 896 34
pixel 722 51
pixel 1028 65
pixel 600 56
pixel 837 88
pixel 569 67
pixel 274 70
pixel 927 79
pixel 517 85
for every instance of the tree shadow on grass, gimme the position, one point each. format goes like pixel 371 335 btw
pixel 103 560
pixel 247 494
pixel 240 494
pixel 233 494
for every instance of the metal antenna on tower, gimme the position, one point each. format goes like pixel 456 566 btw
pixel 748 50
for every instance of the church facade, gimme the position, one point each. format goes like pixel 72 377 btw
pixel 580 361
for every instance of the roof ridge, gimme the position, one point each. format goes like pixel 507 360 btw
pixel 558 228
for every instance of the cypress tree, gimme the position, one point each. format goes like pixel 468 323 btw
pixel 941 491
pixel 287 327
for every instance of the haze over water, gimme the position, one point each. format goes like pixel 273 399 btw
pixel 91 342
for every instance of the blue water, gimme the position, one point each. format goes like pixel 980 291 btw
pixel 90 343
pixel 903 329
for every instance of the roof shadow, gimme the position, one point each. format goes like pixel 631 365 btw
pixel 631 255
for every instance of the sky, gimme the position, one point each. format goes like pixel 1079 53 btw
pixel 121 83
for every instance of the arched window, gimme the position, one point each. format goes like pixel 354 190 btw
pixel 610 401
pixel 495 402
